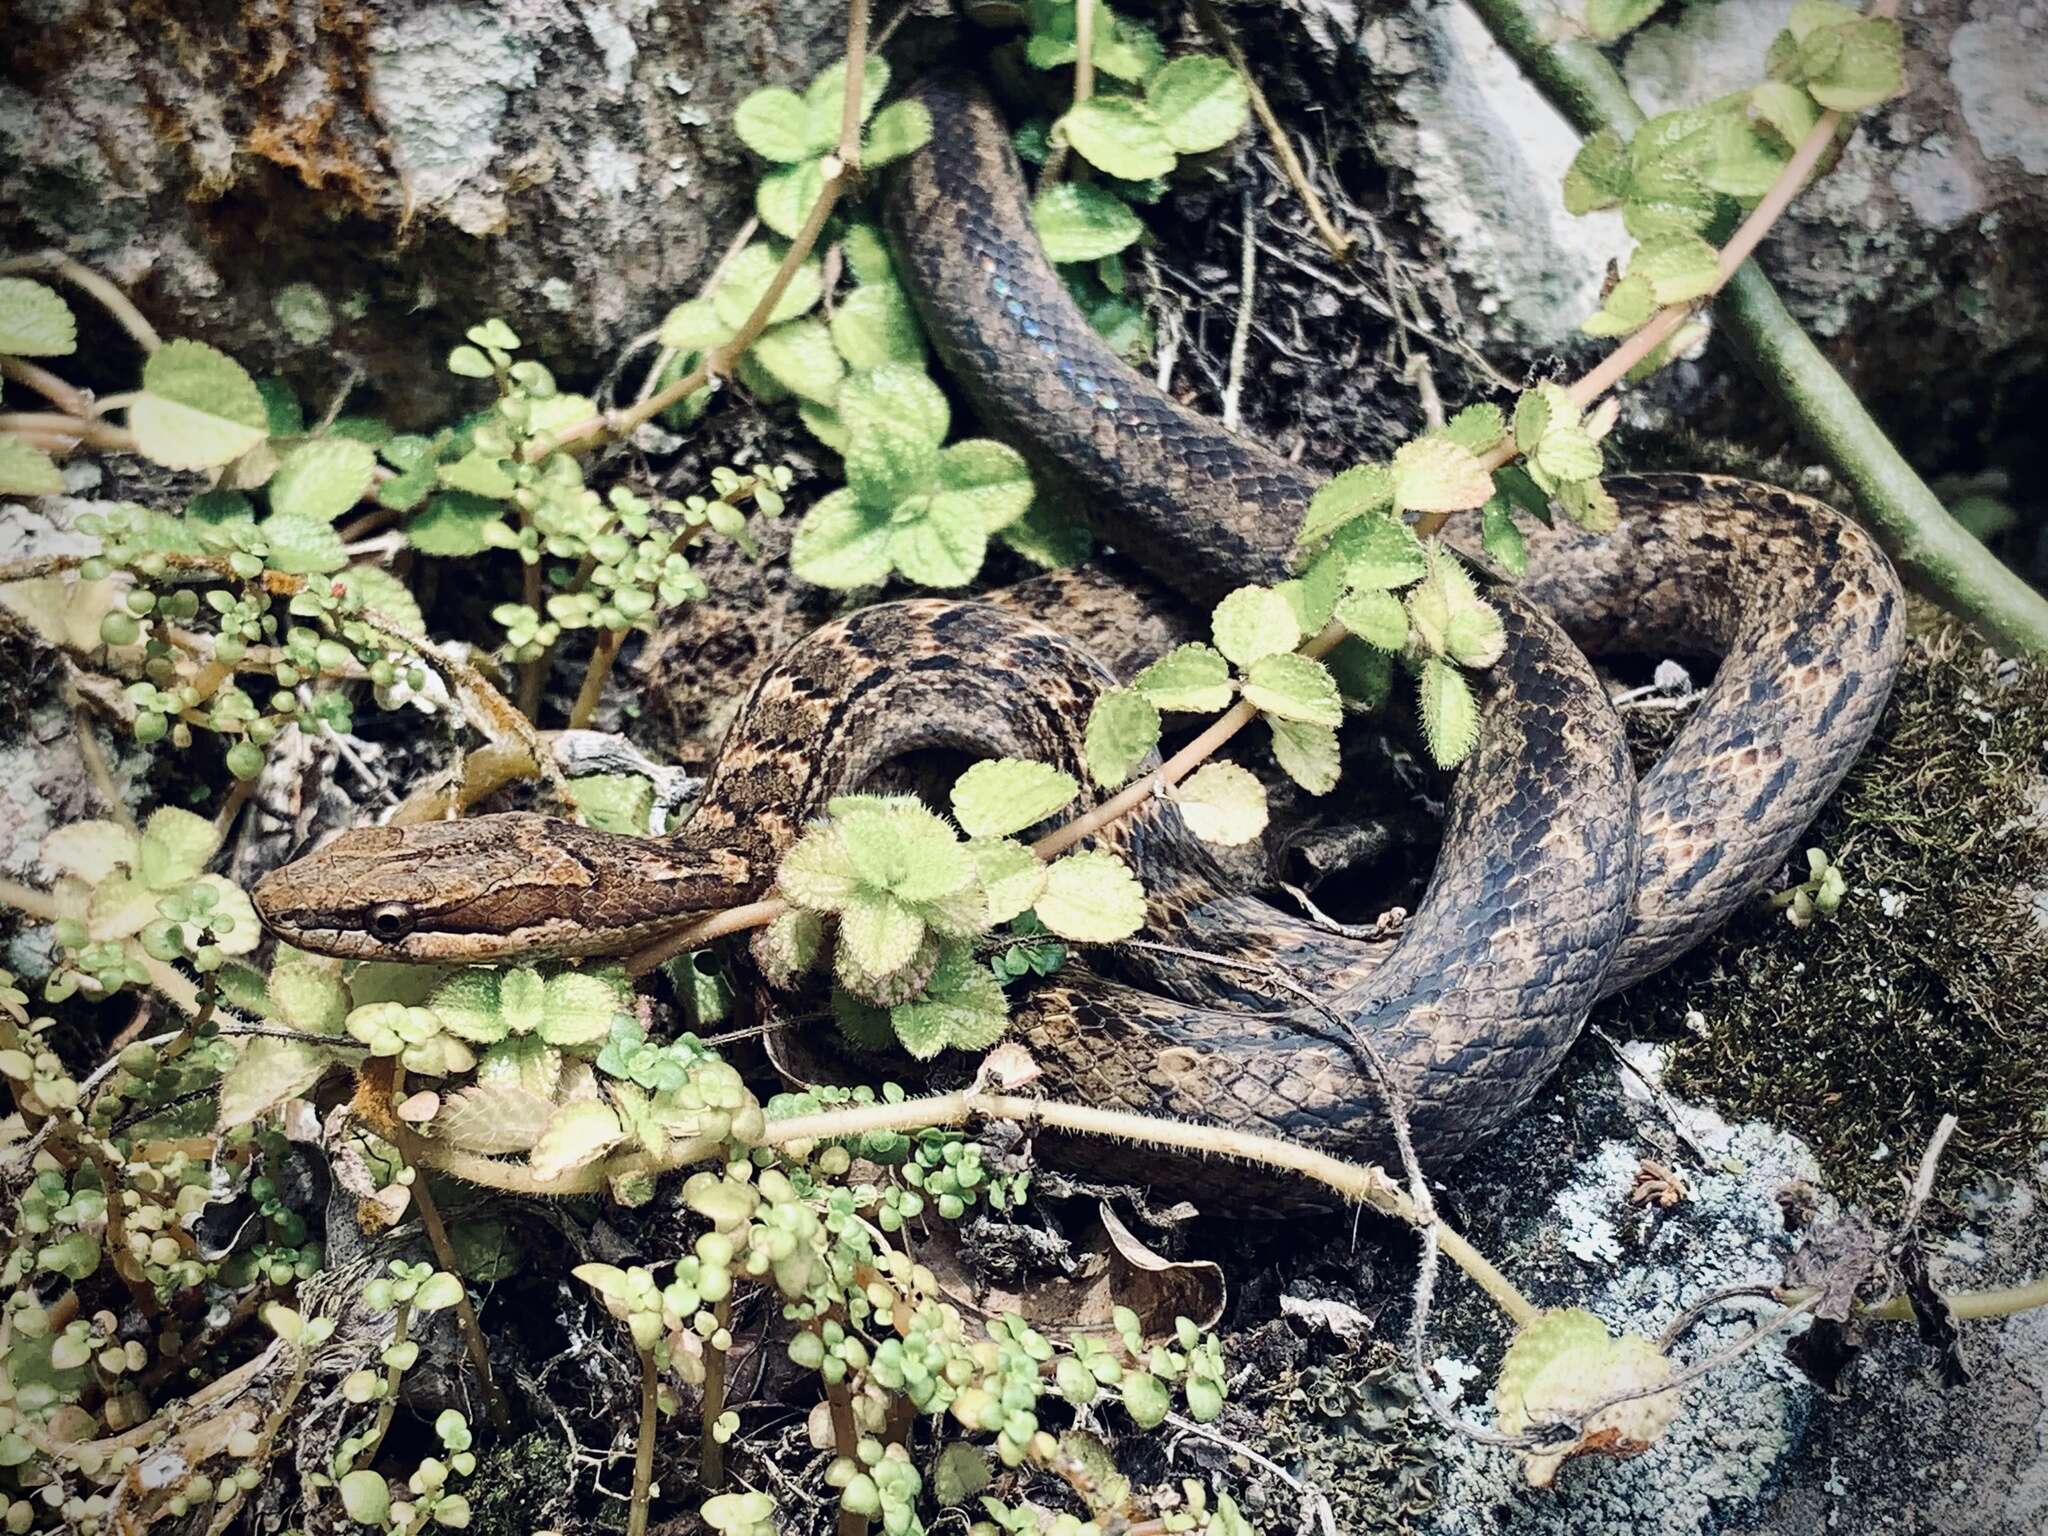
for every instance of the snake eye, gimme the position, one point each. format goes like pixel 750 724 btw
pixel 391 921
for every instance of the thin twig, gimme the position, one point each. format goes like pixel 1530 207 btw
pixel 465 1313
pixel 110 298
pixel 1240 337
pixel 643 1450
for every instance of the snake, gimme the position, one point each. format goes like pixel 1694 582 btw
pixel 1562 878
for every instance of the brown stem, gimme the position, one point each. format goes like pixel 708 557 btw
pixel 602 655
pixel 846 1439
pixel 67 397
pixel 79 429
pixel 125 1263
pixel 643 1454
pixel 111 299
pixel 711 1456
pixel 465 1314
pixel 1334 239
pixel 401 1330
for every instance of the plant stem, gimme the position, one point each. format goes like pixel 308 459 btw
pixel 68 398
pixel 643 1455
pixel 110 298
pixel 54 425
pixel 1334 239
pixel 839 169
pixel 401 1330
pixel 711 1452
pixel 465 1314
pixel 602 655
pixel 30 902
pixel 1932 548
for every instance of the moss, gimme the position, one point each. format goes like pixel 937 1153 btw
pixel 520 1487
pixel 1928 991
pixel 1355 1428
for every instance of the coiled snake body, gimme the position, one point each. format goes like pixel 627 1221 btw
pixel 1560 878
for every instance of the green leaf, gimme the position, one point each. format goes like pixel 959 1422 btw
pixel 1376 617
pixel 882 932
pixel 1450 716
pixel 1003 795
pixel 818 872
pixel 522 999
pixel 1626 308
pixel 1189 679
pixel 1477 428
pixel 1599 174
pixel 771 122
pixel 1126 50
pixel 1501 539
pixel 453 524
pixel 1294 687
pixel 1080 221
pixel 579 1132
pixel 785 196
pixel 1200 103
pixel 308 996
pixel 1588 504
pixel 982 482
pixel 581 1007
pixel 875 324
pixel 1609 19
pixel 1307 754
pixel 302 547
pixel 365 1497
pixel 1146 1399
pixel 1118 135
pixel 615 802
pixel 1785 110
pixel 1435 474
pixel 963 1007
pixel 960 1473
pixel 1566 454
pixel 788 948
pixel 1379 552
pixel 898 396
pixel 1854 65
pixel 321 479
pixel 1223 804
pixel 825 98
pixel 1048 536
pixel 1361 489
pixel 266 1073
pixel 899 129
pixel 1677 266
pixel 747 281
pixel 801 357
pixel 1122 728
pixel 935 549
pixel 27 471
pixel 1562 1363
pixel 1364 676
pixel 1091 898
pixel 1748 155
pixel 1253 622
pixel 466 1003
pixel 1010 876
pixel 34 320
pixel 174 848
pixel 198 408
pixel 841 544
pixel 694 326
pixel 899 845
pixel 1452 619
pixel 479 474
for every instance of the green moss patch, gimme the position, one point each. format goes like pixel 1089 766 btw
pixel 1928 991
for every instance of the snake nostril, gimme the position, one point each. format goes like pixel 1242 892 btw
pixel 391 921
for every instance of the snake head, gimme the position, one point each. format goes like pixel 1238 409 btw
pixel 491 888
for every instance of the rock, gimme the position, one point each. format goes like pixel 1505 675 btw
pixel 319 187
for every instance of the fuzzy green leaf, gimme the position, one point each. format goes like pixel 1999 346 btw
pixel 819 872
pixel 937 550
pixel 1081 221
pixel 1010 876
pixel 825 97
pixel 1253 622
pixel 1379 552
pixel 1477 428
pixel 580 1007
pixel 1588 504
pixel 1566 454
pixel 1000 796
pixel 1854 65
pixel 1122 728
pixel 579 1132
pixel 1450 715
pixel 198 408
pixel 783 198
pixel 1376 617
pixel 267 1072
pixel 322 479
pixel 842 544
pixel 1501 539
pixel 28 471
pixel 748 279
pixel 1626 309
pixel 1048 536
pixel 963 1008
pixel 693 326
pixel 1609 19
pixel 897 395
pixel 174 848
pixel 1361 489
pixel 453 525
pixel 1307 754
pixel 1564 1361
pixel 771 122
pixel 1452 619
pixel 1223 804
pixel 1599 174
pixel 614 802
pixel 874 325
pixel 466 1003
pixel 1677 266
pixel 982 482
pixel 801 357
pixel 1294 687
pixel 308 996
pixel 788 948
pixel 1091 898
pixel 899 129
pixel 1189 679
pixel 881 931
pixel 302 547
pixel 34 320
pixel 1120 136
pixel 1200 103
pixel 1436 474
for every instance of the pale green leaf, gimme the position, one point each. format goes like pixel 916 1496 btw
pixel 321 479
pixel 1091 898
pixel 841 543
pixel 1627 307
pixel 783 198
pixel 1452 619
pixel 1294 687
pixel 902 846
pixel 383 597
pixel 1788 112
pixel 34 320
pixel 818 872
pixel 478 473
pixel 1081 221
pixel 825 97
pixel 1200 103
pixel 748 279
pixel 1677 266
pixel 788 948
pixel 579 1132
pixel 466 1003
pixel 1009 874
pixel 1450 716
pixel 1855 65
pixel 1563 1362
pixel 28 471
pixel 580 1007
pixel 771 122
pixel 1122 727
pixel 1361 489
pixel 1189 679
pixel 365 1497
pixel 615 802
pixel 267 1072
pixel 1307 754
pixel 198 408
pixel 1566 454
pixel 174 848
pixel 1003 795
pixel 308 995
pixel 498 1113
pixel 1118 135
pixel 1477 428
pixel 1379 552
pixel 1223 804
pixel 1588 504
pixel 899 129
pixel 1609 19
pixel 882 932
pixel 874 325
pixel 91 850
pixel 302 547
pixel 453 525
pixel 694 326
pixel 1376 617
pixel 1599 174
pixel 896 395
pixel 1253 622
pixel 963 1007
pixel 1435 474
pixel 801 358
pixel 1049 536
pixel 982 481
pixel 1501 539
pixel 937 550
pixel 522 999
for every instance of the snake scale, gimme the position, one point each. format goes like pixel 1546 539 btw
pixel 1560 879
